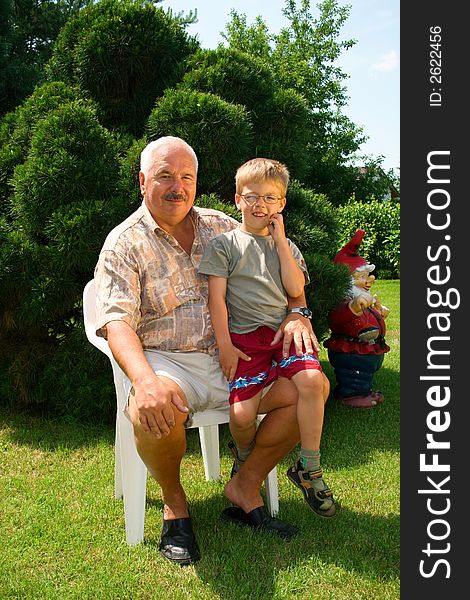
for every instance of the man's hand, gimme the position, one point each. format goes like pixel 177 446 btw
pixel 297 329
pixel 154 401
pixel 152 397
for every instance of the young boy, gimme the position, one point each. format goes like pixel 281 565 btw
pixel 251 271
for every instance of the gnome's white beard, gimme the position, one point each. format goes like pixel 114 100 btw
pixel 356 291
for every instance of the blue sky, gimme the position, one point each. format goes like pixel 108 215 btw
pixel 372 64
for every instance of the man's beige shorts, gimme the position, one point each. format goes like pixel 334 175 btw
pixel 197 374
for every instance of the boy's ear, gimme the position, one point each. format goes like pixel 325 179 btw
pixel 282 203
pixel 237 201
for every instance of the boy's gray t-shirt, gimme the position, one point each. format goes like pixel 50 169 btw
pixel 250 263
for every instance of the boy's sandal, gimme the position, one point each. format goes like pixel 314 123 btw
pixel 317 494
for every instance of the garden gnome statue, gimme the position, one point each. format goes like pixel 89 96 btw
pixel 357 345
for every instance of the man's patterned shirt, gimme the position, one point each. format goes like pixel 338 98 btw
pixel 145 278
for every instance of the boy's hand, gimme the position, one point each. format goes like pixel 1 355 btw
pixel 228 359
pixel 276 228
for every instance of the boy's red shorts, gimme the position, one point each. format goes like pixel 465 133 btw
pixel 266 364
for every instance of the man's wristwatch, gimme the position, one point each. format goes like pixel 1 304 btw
pixel 303 310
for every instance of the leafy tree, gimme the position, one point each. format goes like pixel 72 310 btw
pixel 393 176
pixel 302 58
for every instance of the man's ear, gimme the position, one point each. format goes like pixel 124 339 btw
pixel 142 182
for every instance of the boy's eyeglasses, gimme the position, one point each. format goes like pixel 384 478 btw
pixel 252 198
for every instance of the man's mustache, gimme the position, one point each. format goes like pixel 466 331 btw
pixel 174 196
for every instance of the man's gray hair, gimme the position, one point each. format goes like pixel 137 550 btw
pixel 169 140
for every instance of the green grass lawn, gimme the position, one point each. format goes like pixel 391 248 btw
pixel 62 533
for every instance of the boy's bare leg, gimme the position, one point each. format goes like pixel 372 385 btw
pixel 243 421
pixel 277 434
pixel 163 457
pixel 306 474
pixel 310 407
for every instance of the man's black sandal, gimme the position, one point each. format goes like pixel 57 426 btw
pixel 178 543
pixel 260 520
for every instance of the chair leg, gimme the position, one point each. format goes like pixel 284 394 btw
pixel 272 493
pixel 209 438
pixel 134 480
pixel 117 463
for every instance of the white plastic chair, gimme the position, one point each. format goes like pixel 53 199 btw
pixel 130 473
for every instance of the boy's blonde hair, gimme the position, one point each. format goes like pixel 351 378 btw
pixel 257 170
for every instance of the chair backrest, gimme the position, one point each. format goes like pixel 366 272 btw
pixel 89 315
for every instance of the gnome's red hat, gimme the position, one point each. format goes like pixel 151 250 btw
pixel 348 254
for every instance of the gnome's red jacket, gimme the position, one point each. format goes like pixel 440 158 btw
pixel 346 326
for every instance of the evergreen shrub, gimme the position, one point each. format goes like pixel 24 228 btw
pixel 220 133
pixel 310 220
pixel 233 75
pixel 77 382
pixel 123 74
pixel 328 286
pixel 280 117
pixel 17 128
pixel 129 186
pixel 64 202
pixel 124 54
pixel 72 159
pixel 213 201
pixel 311 223
pixel 282 131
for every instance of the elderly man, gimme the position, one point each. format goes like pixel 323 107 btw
pixel 152 307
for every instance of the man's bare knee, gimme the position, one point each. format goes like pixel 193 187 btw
pixel 282 394
pixel 139 432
